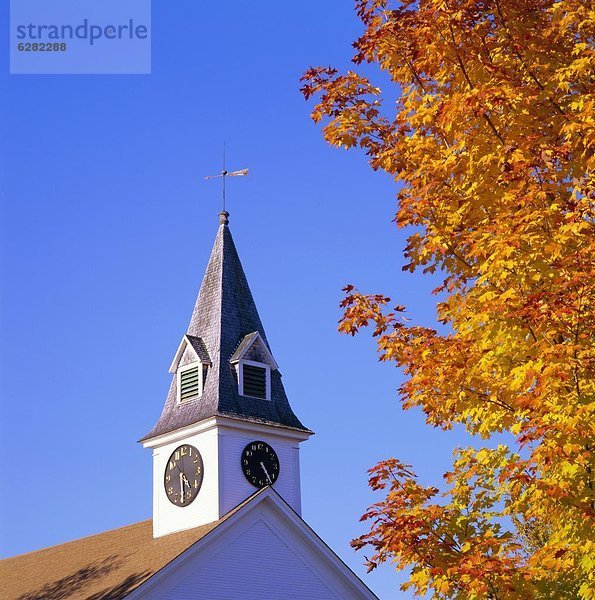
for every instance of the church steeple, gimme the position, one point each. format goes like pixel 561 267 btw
pixel 224 316
pixel 227 428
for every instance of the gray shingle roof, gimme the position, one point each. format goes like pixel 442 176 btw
pixel 246 341
pixel 199 348
pixel 223 315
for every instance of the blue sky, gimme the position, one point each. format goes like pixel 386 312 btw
pixel 106 228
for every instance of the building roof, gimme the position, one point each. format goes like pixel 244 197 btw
pixel 199 347
pixel 249 342
pixel 223 315
pixel 107 565
pixel 243 346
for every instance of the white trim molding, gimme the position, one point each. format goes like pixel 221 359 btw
pixel 228 422
pixel 256 337
pixel 185 343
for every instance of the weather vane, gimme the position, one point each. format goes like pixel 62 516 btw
pixel 225 173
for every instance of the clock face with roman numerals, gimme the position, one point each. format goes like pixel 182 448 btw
pixel 260 464
pixel 183 475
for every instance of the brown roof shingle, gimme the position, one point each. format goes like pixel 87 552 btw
pixel 100 567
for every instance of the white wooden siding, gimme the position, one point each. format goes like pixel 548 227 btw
pixel 262 555
pixel 255 565
pixel 168 517
pixel 234 488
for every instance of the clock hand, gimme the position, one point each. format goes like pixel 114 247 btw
pixel 181 487
pixel 266 472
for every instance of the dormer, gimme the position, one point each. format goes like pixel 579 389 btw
pixel 190 365
pixel 253 362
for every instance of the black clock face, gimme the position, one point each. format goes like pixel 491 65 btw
pixel 183 475
pixel 260 464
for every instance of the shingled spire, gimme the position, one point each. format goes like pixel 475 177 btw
pixel 224 315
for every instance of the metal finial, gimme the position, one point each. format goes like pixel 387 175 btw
pixel 223 217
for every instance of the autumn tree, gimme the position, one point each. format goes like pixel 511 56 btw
pixel 492 143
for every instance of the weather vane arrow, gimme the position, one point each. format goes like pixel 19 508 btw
pixel 225 174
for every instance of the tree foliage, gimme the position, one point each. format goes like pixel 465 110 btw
pixel 492 141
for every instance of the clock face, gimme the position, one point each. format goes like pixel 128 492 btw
pixel 260 464
pixel 183 475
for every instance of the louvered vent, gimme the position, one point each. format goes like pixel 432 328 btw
pixel 255 381
pixel 188 384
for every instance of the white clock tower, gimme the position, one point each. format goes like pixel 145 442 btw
pixel 227 428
